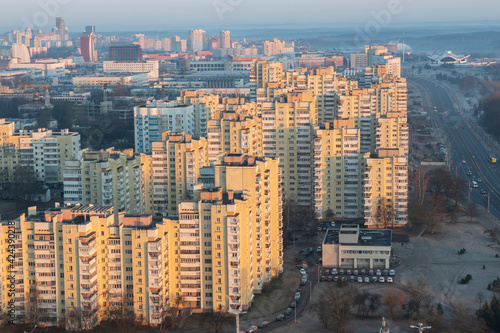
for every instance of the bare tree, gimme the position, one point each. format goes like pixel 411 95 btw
pixel 456 190
pixel 174 314
pixel 392 300
pixel 421 182
pixel 434 207
pixel 384 215
pixel 366 302
pixel 216 320
pixel 417 294
pixel 337 302
pixel 472 210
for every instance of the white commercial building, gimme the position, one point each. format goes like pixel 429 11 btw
pixel 352 247
pixel 152 67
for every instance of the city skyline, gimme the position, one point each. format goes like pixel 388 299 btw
pixel 230 14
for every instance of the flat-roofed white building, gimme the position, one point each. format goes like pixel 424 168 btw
pixel 352 247
pixel 152 67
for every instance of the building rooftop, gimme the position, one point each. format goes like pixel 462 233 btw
pixel 366 237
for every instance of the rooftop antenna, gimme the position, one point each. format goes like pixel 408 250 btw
pixel 403 46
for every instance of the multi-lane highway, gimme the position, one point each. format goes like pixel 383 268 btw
pixel 467 145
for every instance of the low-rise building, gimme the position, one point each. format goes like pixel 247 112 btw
pixel 352 247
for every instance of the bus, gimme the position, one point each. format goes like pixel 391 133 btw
pixel 492 159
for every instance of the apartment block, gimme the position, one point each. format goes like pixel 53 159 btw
pixel 259 181
pixel 386 184
pixel 156 117
pixel 43 150
pixel 77 265
pixel 234 134
pixel 212 257
pixel 174 169
pixel 338 171
pixel 105 178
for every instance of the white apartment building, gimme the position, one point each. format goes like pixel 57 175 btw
pixel 160 116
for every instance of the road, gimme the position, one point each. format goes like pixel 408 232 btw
pixel 467 143
pixel 312 275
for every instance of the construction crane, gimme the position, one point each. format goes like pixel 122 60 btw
pixel 420 327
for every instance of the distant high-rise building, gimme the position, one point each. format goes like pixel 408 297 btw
pixel 62 31
pixel 90 29
pixel 195 40
pixel 125 53
pixel 225 39
pixel 87 47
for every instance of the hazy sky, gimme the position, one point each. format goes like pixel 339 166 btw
pixel 134 15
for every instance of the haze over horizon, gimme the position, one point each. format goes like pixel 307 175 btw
pixel 126 15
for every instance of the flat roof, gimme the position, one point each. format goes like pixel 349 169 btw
pixel 367 237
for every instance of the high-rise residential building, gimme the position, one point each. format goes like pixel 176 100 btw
pixel 196 39
pixel 234 134
pixel 43 150
pixel 87 47
pixel 204 106
pixel 173 170
pixel 160 116
pixel 258 180
pixel 105 178
pixel 78 265
pixel 90 29
pixel 338 170
pixel 178 45
pixel 263 75
pixel 125 53
pixel 225 39
pixel 61 30
pixel 386 189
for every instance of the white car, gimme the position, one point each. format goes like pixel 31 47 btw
pixel 303 271
pixel 297 296
pixel 318 249
pixel 390 280
pixel 464 161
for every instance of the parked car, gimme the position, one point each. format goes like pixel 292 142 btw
pixel 288 311
pixel 378 272
pixel 318 249
pixel 303 271
pixel 303 282
pixel 367 279
pixel 362 272
pixel 360 279
pixel 297 296
pixel 390 280
pixel 392 272
pixel 334 271
pixel 385 272
pixel 374 279
pixel 348 272
pixel 329 278
pixel 335 278
pixel 293 304
pixel 370 272
pixel 343 278
pixel 351 278
pixel 322 278
pixel 319 228
pixel 327 271
pixel 381 279
pixel 341 271
pixel 264 324
pixel 252 329
pixel 280 317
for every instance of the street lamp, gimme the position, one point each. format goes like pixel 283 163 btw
pixel 310 291
pixel 420 327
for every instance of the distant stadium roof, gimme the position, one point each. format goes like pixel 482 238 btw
pixel 449 58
